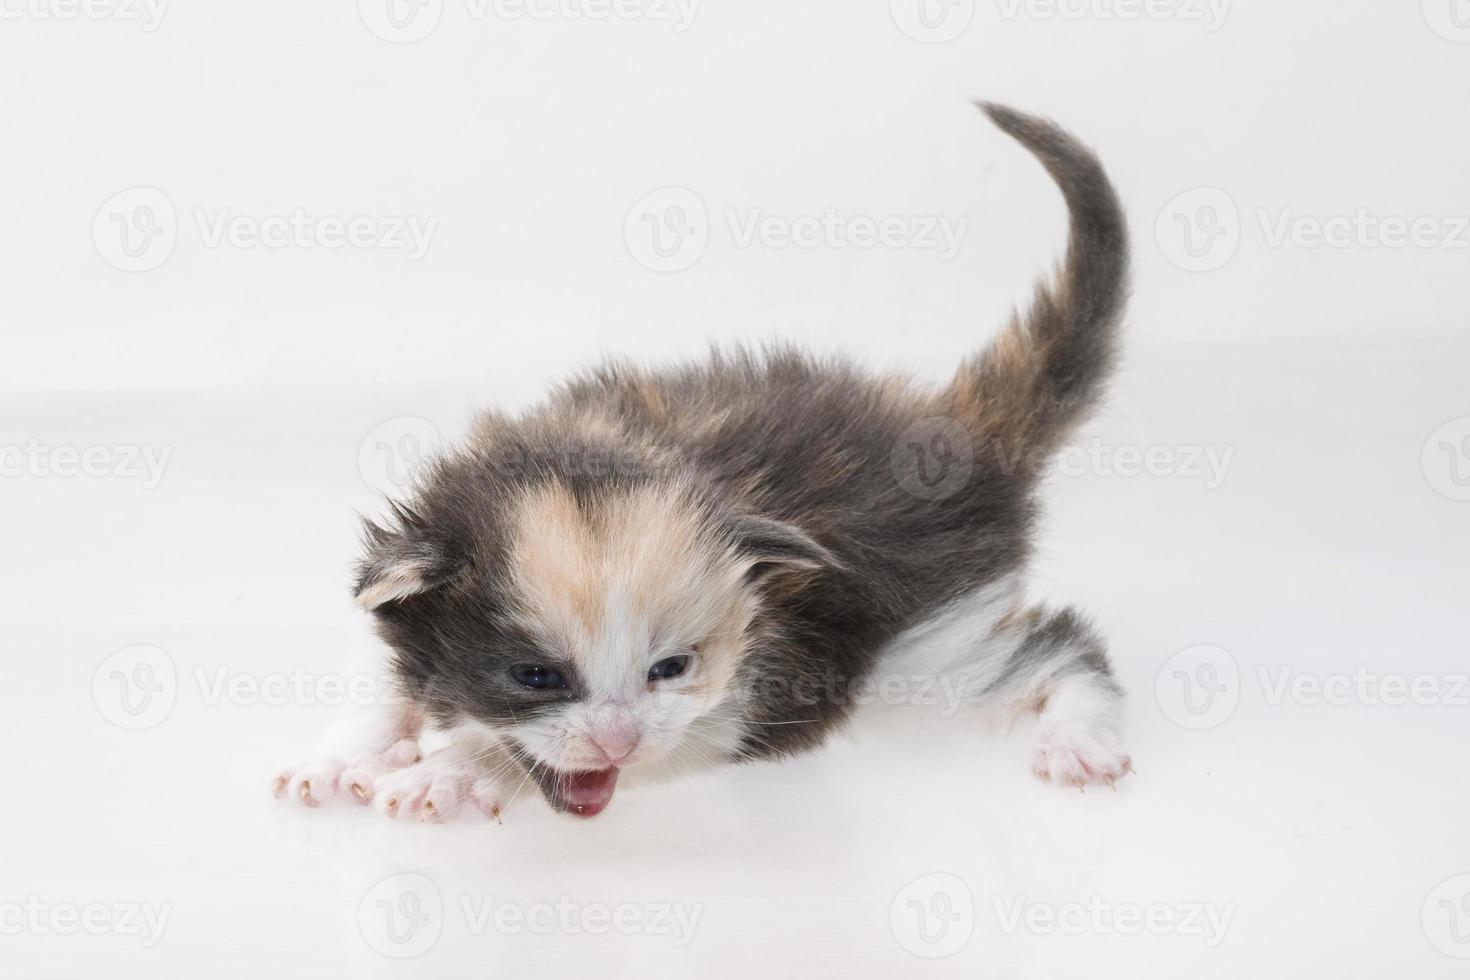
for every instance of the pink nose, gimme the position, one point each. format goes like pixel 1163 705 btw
pixel 617 743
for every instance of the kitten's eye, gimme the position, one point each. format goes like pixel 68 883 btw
pixel 668 667
pixel 536 676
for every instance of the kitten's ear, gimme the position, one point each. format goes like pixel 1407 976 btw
pixel 773 546
pixel 403 561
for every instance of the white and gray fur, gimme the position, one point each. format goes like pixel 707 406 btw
pixel 754 512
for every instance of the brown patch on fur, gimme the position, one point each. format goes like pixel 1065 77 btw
pixel 1020 618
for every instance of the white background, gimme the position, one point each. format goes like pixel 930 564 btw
pixel 1329 836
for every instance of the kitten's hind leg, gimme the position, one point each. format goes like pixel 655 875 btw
pixel 1055 665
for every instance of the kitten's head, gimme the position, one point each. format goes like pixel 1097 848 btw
pixel 592 626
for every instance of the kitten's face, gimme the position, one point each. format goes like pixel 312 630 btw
pixel 643 614
pixel 609 634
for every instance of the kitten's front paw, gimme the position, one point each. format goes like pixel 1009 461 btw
pixel 436 788
pixel 351 777
pixel 1081 759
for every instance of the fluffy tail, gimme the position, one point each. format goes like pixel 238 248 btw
pixel 1038 379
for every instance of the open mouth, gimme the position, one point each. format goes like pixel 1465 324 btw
pixel 585 794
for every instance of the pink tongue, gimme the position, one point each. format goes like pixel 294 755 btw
pixel 587 793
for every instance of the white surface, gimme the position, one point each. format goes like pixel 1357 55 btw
pixel 1330 835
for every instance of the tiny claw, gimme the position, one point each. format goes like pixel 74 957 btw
pixel 392 808
pixel 495 812
pixel 359 792
pixel 306 793
pixel 280 788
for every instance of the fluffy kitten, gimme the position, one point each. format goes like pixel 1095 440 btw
pixel 707 563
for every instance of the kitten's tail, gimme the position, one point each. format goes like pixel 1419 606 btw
pixel 1046 369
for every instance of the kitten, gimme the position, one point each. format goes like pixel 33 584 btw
pixel 704 563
